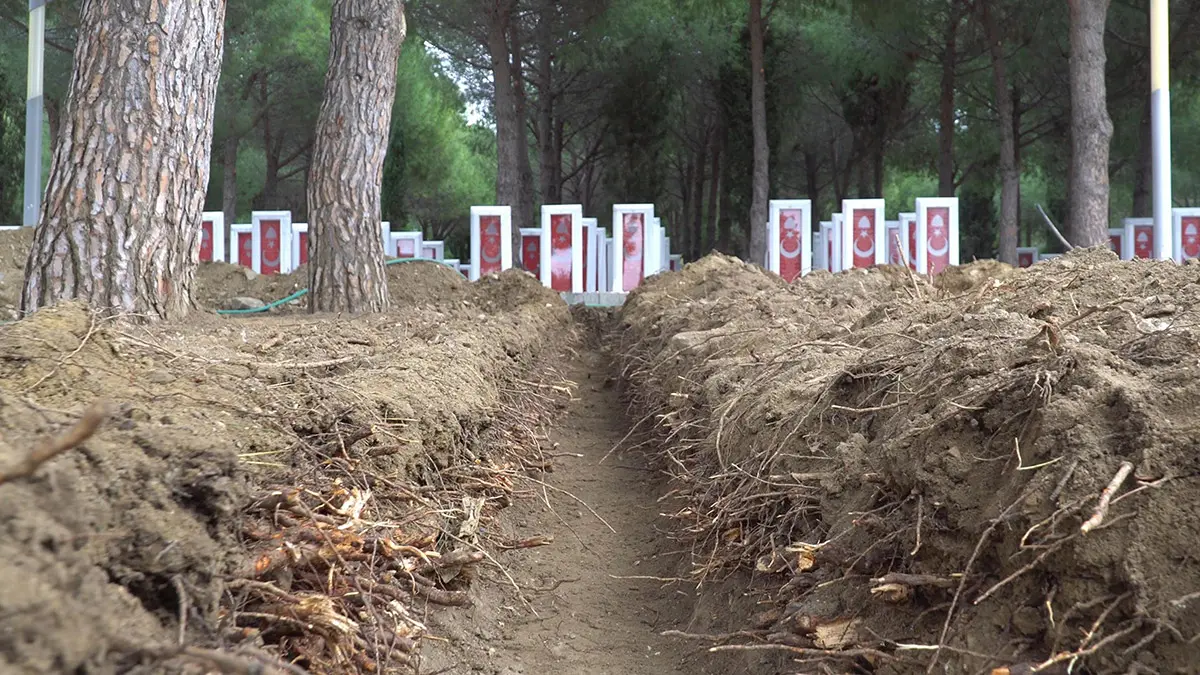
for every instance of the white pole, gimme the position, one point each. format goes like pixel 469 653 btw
pixel 33 112
pixel 1160 114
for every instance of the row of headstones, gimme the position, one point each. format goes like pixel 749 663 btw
pixel 573 254
pixel 859 237
pixel 272 244
pixel 1136 239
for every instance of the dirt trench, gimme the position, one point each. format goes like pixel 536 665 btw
pixel 597 600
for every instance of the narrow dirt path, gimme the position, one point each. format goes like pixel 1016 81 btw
pixel 599 608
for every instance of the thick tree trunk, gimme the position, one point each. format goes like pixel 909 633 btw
pixel 714 193
pixel 229 184
pixel 758 119
pixel 1010 177
pixel 1091 127
pixel 524 167
pixel 839 176
pixel 877 166
pixel 272 147
pixel 688 196
pixel 1143 173
pixel 1018 110
pixel 548 157
pixel 53 108
pixel 347 272
pixel 556 156
pixel 947 115
pixel 692 231
pixel 812 180
pixel 723 218
pixel 510 130
pixel 121 225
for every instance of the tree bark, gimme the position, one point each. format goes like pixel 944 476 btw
pixel 53 108
pixel 1018 111
pixel 812 180
pixel 758 115
pixel 120 228
pixel 1143 173
pixel 347 272
pixel 229 184
pixel 510 136
pixel 1091 127
pixel 692 231
pixel 947 116
pixel 525 195
pixel 548 157
pixel 1010 177
pixel 714 192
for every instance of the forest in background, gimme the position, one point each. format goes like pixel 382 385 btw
pixel 649 101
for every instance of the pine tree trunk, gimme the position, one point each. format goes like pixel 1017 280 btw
pixel 1143 172
pixel 345 249
pixel 525 196
pixel 547 151
pixel 711 242
pixel 812 181
pixel 947 115
pixel 1091 127
pixel 120 228
pixel 758 115
pixel 229 184
pixel 1010 177
pixel 510 135
pixel 691 232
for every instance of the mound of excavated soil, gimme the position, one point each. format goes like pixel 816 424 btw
pixel 415 284
pixel 297 486
pixel 905 467
pixel 218 282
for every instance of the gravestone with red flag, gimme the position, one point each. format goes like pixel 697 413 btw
pixel 789 237
pixel 491 240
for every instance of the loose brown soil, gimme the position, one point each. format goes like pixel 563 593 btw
pixel 259 479
pixel 858 473
pixel 839 430
pixel 592 602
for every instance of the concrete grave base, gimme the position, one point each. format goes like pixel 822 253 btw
pixel 594 299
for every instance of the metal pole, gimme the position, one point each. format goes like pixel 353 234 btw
pixel 33 112
pixel 1160 115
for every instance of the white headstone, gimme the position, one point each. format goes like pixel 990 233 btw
pixel 1185 225
pixel 272 236
pixel 789 238
pixel 562 247
pixel 212 236
pixel 491 240
pixel 937 234
pixel 633 252
pixel 863 234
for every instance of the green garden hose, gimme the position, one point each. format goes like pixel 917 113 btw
pixel 304 291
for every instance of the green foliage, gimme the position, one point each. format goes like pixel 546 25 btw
pixel 437 166
pixel 12 150
pixel 644 90
pixel 902 189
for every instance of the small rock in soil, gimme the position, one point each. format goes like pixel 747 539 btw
pixel 245 302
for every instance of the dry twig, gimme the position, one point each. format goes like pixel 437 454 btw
pixel 1106 497
pixel 77 434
